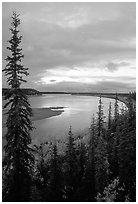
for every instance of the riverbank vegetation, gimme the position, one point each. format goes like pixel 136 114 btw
pixel 101 168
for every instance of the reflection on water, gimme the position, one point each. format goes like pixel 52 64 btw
pixel 78 113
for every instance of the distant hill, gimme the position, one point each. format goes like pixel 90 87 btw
pixel 26 90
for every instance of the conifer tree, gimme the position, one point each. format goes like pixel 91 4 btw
pixel 115 140
pixel 18 161
pixel 110 141
pixel 100 119
pixel 101 158
pixel 116 111
pixel 90 174
pixel 41 175
pixel 81 159
pixel 71 167
pixel 109 116
pixel 55 180
pixel 131 108
pixel 81 163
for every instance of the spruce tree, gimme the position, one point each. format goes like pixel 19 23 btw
pixel 100 119
pixel 101 158
pixel 55 180
pixel 81 163
pixel 116 111
pixel 71 168
pixel 109 116
pixel 18 161
pixel 115 140
pixel 131 107
pixel 90 174
pixel 81 160
pixel 110 139
pixel 41 175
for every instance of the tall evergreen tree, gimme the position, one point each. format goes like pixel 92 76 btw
pixel 90 174
pixel 131 107
pixel 81 159
pixel 110 139
pixel 115 140
pixel 71 167
pixel 101 159
pixel 116 111
pixel 100 119
pixel 109 116
pixel 55 179
pixel 40 192
pixel 18 160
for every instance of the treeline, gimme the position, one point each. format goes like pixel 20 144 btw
pixel 25 90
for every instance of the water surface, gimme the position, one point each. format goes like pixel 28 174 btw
pixel 78 112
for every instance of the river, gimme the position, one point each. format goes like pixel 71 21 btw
pixel 78 112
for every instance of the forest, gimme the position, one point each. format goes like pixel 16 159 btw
pixel 97 167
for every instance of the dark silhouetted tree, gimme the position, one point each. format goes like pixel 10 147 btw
pixel 115 140
pixel 90 174
pixel 109 116
pixel 18 161
pixel 70 167
pixel 55 176
pixel 100 119
pixel 40 184
pixel 81 163
pixel 101 157
pixel 116 111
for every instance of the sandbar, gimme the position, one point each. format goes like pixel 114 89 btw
pixel 38 113
pixel 41 113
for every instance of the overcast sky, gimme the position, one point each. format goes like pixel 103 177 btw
pixel 76 46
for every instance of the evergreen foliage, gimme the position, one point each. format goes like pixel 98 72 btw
pixel 70 167
pixel 81 194
pixel 101 159
pixel 18 161
pixel 116 111
pixel 55 176
pixel 90 171
pixel 100 119
pixel 109 116
pixel 110 192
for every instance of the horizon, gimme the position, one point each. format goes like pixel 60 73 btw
pixel 75 47
pixel 73 92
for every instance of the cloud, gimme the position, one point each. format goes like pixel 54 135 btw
pixel 52 80
pixel 111 66
pixel 103 86
pixel 93 38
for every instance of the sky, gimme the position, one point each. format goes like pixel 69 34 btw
pixel 78 47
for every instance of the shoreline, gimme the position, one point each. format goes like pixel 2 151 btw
pixel 121 98
pixel 38 114
pixel 42 113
